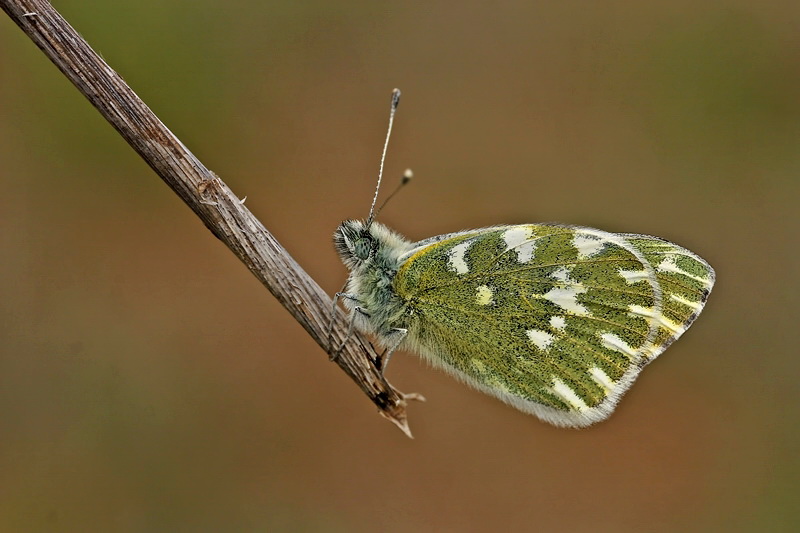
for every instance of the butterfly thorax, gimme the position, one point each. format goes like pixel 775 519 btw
pixel 372 254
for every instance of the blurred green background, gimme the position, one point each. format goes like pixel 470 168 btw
pixel 149 383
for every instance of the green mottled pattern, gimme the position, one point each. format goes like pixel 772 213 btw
pixel 571 297
pixel 685 287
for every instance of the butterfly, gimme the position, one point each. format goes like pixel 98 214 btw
pixel 555 320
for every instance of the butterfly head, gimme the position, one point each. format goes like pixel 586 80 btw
pixel 374 246
pixel 355 243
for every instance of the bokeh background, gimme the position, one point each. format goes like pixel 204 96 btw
pixel 149 383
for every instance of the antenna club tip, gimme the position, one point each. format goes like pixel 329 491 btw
pixel 395 98
pixel 407 175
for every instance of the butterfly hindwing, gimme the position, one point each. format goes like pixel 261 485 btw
pixel 555 320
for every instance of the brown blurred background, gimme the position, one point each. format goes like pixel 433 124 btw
pixel 149 383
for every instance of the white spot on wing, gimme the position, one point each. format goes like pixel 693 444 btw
pixel 455 257
pixel 587 245
pixel 660 319
pixel 634 276
pixel 602 379
pixel 558 322
pixel 485 295
pixel 566 298
pixel 640 310
pixel 563 391
pixel 684 301
pixel 561 274
pixel 613 342
pixel 518 238
pixel 540 338
pixel 674 327
pixel 669 265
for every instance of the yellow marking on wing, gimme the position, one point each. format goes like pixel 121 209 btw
pixel 407 264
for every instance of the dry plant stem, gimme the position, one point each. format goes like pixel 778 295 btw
pixel 207 195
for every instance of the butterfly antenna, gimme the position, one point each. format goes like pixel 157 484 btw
pixel 407 175
pixel 395 103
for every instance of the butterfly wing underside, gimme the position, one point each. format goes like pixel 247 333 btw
pixel 554 320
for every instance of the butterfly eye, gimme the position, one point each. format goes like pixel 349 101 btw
pixel 362 248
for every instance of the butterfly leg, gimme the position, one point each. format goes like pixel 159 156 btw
pixel 334 354
pixel 383 361
pixel 336 297
pixel 350 328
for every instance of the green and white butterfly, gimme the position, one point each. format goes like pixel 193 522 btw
pixel 554 320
